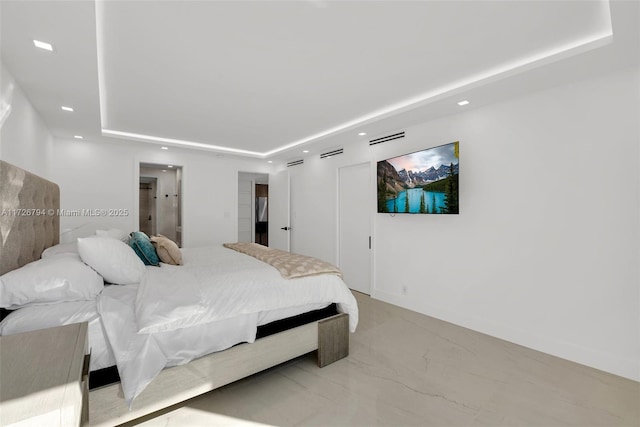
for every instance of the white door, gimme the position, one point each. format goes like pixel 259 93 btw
pixel 354 216
pixel 279 225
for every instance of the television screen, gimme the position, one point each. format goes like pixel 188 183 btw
pixel 424 182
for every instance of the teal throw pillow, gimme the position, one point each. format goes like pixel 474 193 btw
pixel 143 247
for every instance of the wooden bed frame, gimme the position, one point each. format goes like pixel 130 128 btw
pixel 24 237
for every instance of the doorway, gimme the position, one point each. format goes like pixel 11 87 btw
pixel 147 210
pixel 354 225
pixel 160 200
pixel 262 214
pixel 253 208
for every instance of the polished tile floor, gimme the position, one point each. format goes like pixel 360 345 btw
pixel 407 369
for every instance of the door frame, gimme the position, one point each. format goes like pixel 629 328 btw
pixel 256 178
pixel 138 162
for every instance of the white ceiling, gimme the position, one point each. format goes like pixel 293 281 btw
pixel 267 78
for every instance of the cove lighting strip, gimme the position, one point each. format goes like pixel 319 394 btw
pixel 508 69
pixel 180 142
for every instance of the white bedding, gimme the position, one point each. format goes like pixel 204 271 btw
pixel 140 357
pixel 214 301
pixel 216 283
pixel 47 316
pixel 187 345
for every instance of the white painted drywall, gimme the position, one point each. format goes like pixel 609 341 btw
pixel 98 175
pixel 245 207
pixel 25 140
pixel 545 252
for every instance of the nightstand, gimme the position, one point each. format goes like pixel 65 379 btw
pixel 44 377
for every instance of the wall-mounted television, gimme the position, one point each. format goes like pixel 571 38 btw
pixel 423 182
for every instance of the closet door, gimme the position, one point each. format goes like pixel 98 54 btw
pixel 354 226
pixel 279 211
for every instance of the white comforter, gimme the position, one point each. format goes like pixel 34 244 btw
pixel 216 300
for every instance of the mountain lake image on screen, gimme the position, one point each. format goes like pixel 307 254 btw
pixel 423 182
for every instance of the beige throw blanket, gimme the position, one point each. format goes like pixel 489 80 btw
pixel 289 265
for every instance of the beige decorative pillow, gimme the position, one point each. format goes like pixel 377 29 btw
pixel 167 250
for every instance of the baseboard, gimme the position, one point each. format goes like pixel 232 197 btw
pixel 624 367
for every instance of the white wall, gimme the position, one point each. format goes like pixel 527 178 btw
pixel 246 218
pixel 545 251
pixel 98 175
pixel 25 140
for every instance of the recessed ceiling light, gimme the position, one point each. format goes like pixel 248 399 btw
pixel 362 134
pixel 164 148
pixel 305 151
pixel 169 166
pixel 461 103
pixel 164 170
pixel 43 45
pixel 78 136
pixel 269 161
pixel 67 108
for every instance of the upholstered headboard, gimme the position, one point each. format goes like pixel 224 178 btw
pixel 29 221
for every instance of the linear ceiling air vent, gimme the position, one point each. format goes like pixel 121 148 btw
pixel 397 135
pixel 331 153
pixel 295 163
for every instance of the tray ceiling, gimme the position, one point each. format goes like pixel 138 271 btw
pixel 256 78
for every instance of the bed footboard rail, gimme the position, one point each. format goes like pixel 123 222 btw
pixel 329 336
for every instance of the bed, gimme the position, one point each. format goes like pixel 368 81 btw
pixel 193 355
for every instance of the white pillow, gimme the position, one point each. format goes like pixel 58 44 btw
pixel 114 233
pixel 55 279
pixel 112 259
pixel 41 317
pixel 62 248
